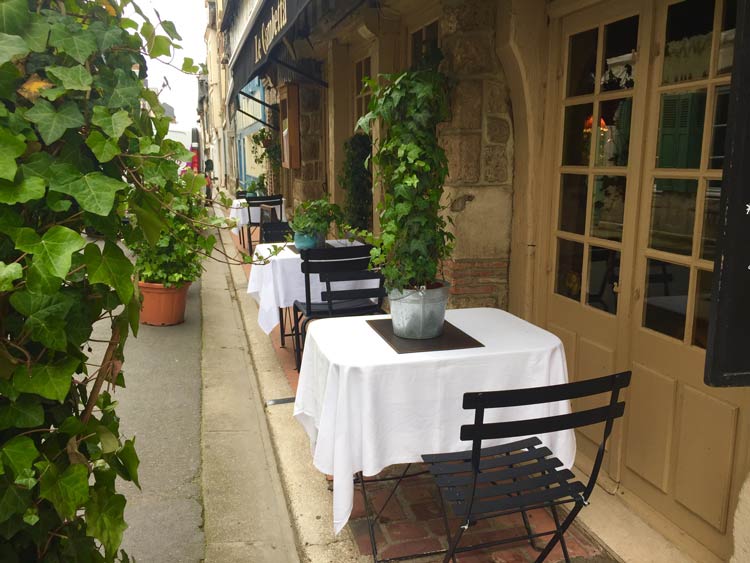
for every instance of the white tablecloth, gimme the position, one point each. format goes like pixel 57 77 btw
pixel 365 407
pixel 239 212
pixel 281 282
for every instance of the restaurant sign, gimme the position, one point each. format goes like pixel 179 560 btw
pixel 269 29
pixel 275 19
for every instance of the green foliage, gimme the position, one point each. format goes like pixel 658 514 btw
pixel 314 217
pixel 176 257
pixel 412 168
pixel 82 148
pixel 266 147
pixel 356 180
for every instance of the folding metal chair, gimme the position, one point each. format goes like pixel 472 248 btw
pixel 255 202
pixel 276 231
pixel 522 475
pixel 336 267
pixel 519 476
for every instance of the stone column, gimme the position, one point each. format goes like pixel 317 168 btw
pixel 479 144
pixel 308 181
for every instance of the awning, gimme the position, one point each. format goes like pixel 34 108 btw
pixel 275 18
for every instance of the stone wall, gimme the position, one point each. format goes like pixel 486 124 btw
pixel 479 144
pixel 309 180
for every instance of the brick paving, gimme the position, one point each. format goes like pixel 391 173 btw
pixel 413 521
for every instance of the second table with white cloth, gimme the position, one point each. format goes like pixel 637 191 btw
pixel 244 215
pixel 365 407
pixel 280 282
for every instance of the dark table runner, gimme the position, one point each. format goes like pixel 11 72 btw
pixel 453 338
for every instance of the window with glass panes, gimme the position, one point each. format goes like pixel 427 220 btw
pixel 423 42
pixel 594 174
pixel 361 92
pixel 685 173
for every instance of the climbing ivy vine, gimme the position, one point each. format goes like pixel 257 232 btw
pixel 83 148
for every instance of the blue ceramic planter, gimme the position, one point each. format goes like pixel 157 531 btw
pixel 304 242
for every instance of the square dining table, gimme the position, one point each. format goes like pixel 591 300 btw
pixel 364 406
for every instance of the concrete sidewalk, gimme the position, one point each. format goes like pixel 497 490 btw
pixel 245 511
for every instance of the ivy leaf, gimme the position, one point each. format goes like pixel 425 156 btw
pixel 13 15
pixel 104 149
pixel 53 251
pixel 25 412
pixel 113 125
pixel 106 36
pixel 47 380
pixel 11 147
pixel 9 77
pixel 36 34
pixel 72 77
pixel 66 492
pixel 29 189
pixel 107 439
pixel 105 519
pixel 38 280
pixel 129 459
pixel 79 44
pixel 31 516
pixel 95 192
pixel 13 500
pixel 45 317
pixel 53 124
pixel 110 267
pixel 12 47
pixel 189 66
pixel 171 30
pixel 19 453
pixel 8 274
pixel 160 46
pixel 126 93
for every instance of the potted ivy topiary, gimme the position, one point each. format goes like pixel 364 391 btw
pixel 312 221
pixel 412 167
pixel 166 269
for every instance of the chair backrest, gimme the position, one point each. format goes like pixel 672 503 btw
pixel 340 265
pixel 240 194
pixel 481 401
pixel 273 201
pixel 274 231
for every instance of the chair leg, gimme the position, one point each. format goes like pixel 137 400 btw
pixel 282 312
pixel 370 522
pixel 560 532
pixel 454 544
pixel 297 343
pixel 563 545
pixel 445 519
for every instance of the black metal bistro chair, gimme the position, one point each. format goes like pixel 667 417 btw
pixel 255 202
pixel 519 476
pixel 336 267
pixel 522 475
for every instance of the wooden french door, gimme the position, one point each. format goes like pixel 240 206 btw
pixel 642 96
pixel 600 101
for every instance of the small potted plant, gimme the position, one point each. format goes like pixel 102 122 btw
pixel 167 268
pixel 412 167
pixel 312 221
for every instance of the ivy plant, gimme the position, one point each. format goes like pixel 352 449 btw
pixel 314 217
pixel 83 148
pixel 266 148
pixel 411 167
pixel 356 180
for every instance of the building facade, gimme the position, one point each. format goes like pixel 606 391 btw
pixel 585 150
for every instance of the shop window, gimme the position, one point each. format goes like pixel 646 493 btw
pixel 424 43
pixel 361 92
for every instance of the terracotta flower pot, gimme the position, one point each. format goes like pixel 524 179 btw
pixel 163 306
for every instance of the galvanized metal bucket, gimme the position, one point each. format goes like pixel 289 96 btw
pixel 419 313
